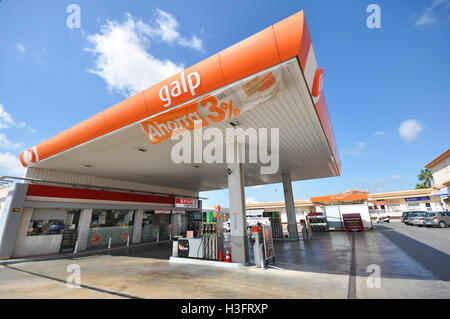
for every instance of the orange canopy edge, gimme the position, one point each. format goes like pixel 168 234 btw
pixel 338 198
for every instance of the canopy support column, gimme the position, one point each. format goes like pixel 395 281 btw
pixel 238 221
pixel 290 208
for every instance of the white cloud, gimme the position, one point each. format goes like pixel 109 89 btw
pixel 409 130
pixel 10 165
pixel 7 121
pixel 357 150
pixel 20 47
pixel 360 179
pixel 166 29
pixel 122 56
pixel 5 118
pixel 378 133
pixel 7 144
pixel 433 13
pixel 250 200
pixel 351 152
pixel 394 177
pixel 361 146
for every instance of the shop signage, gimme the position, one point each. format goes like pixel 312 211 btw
pixel 317 89
pixel 96 238
pixel 166 93
pixel 183 248
pixel 178 212
pixel 393 201
pixel 218 107
pixel 315 214
pixel 162 212
pixel 352 222
pixel 441 192
pixel 337 198
pixel 186 202
pixel 124 236
pixel 380 203
pixel 417 199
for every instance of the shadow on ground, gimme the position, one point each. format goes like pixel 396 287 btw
pixel 432 259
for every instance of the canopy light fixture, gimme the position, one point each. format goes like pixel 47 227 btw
pixel 235 123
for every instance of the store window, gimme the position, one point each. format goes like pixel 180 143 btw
pixel 111 218
pixel 52 222
pixel 113 227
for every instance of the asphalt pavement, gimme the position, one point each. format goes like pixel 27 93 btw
pixel 391 261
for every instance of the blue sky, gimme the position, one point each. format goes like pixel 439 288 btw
pixel 387 89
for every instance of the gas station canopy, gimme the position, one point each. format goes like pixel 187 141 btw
pixel 269 80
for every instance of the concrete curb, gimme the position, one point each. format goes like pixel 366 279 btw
pixel 203 262
pixel 78 254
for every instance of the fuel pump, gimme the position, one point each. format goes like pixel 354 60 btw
pixel 212 235
pixel 275 223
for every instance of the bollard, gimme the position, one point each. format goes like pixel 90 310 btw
pixel 75 250
pixel 109 243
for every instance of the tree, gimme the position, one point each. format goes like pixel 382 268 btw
pixel 421 186
pixel 425 177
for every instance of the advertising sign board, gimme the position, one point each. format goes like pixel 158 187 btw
pixel 268 242
pixel 352 222
pixel 186 202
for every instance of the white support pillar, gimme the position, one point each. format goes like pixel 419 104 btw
pixel 238 221
pixel 290 207
pixel 83 228
pixel 137 229
pixel 10 218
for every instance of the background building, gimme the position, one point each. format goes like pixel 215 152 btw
pixel 369 205
pixel 440 168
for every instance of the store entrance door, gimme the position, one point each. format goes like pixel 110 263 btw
pixel 155 225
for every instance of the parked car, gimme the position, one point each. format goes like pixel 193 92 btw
pixel 418 219
pixel 437 219
pixel 405 216
pixel 411 215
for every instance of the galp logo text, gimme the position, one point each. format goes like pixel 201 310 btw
pixel 178 87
